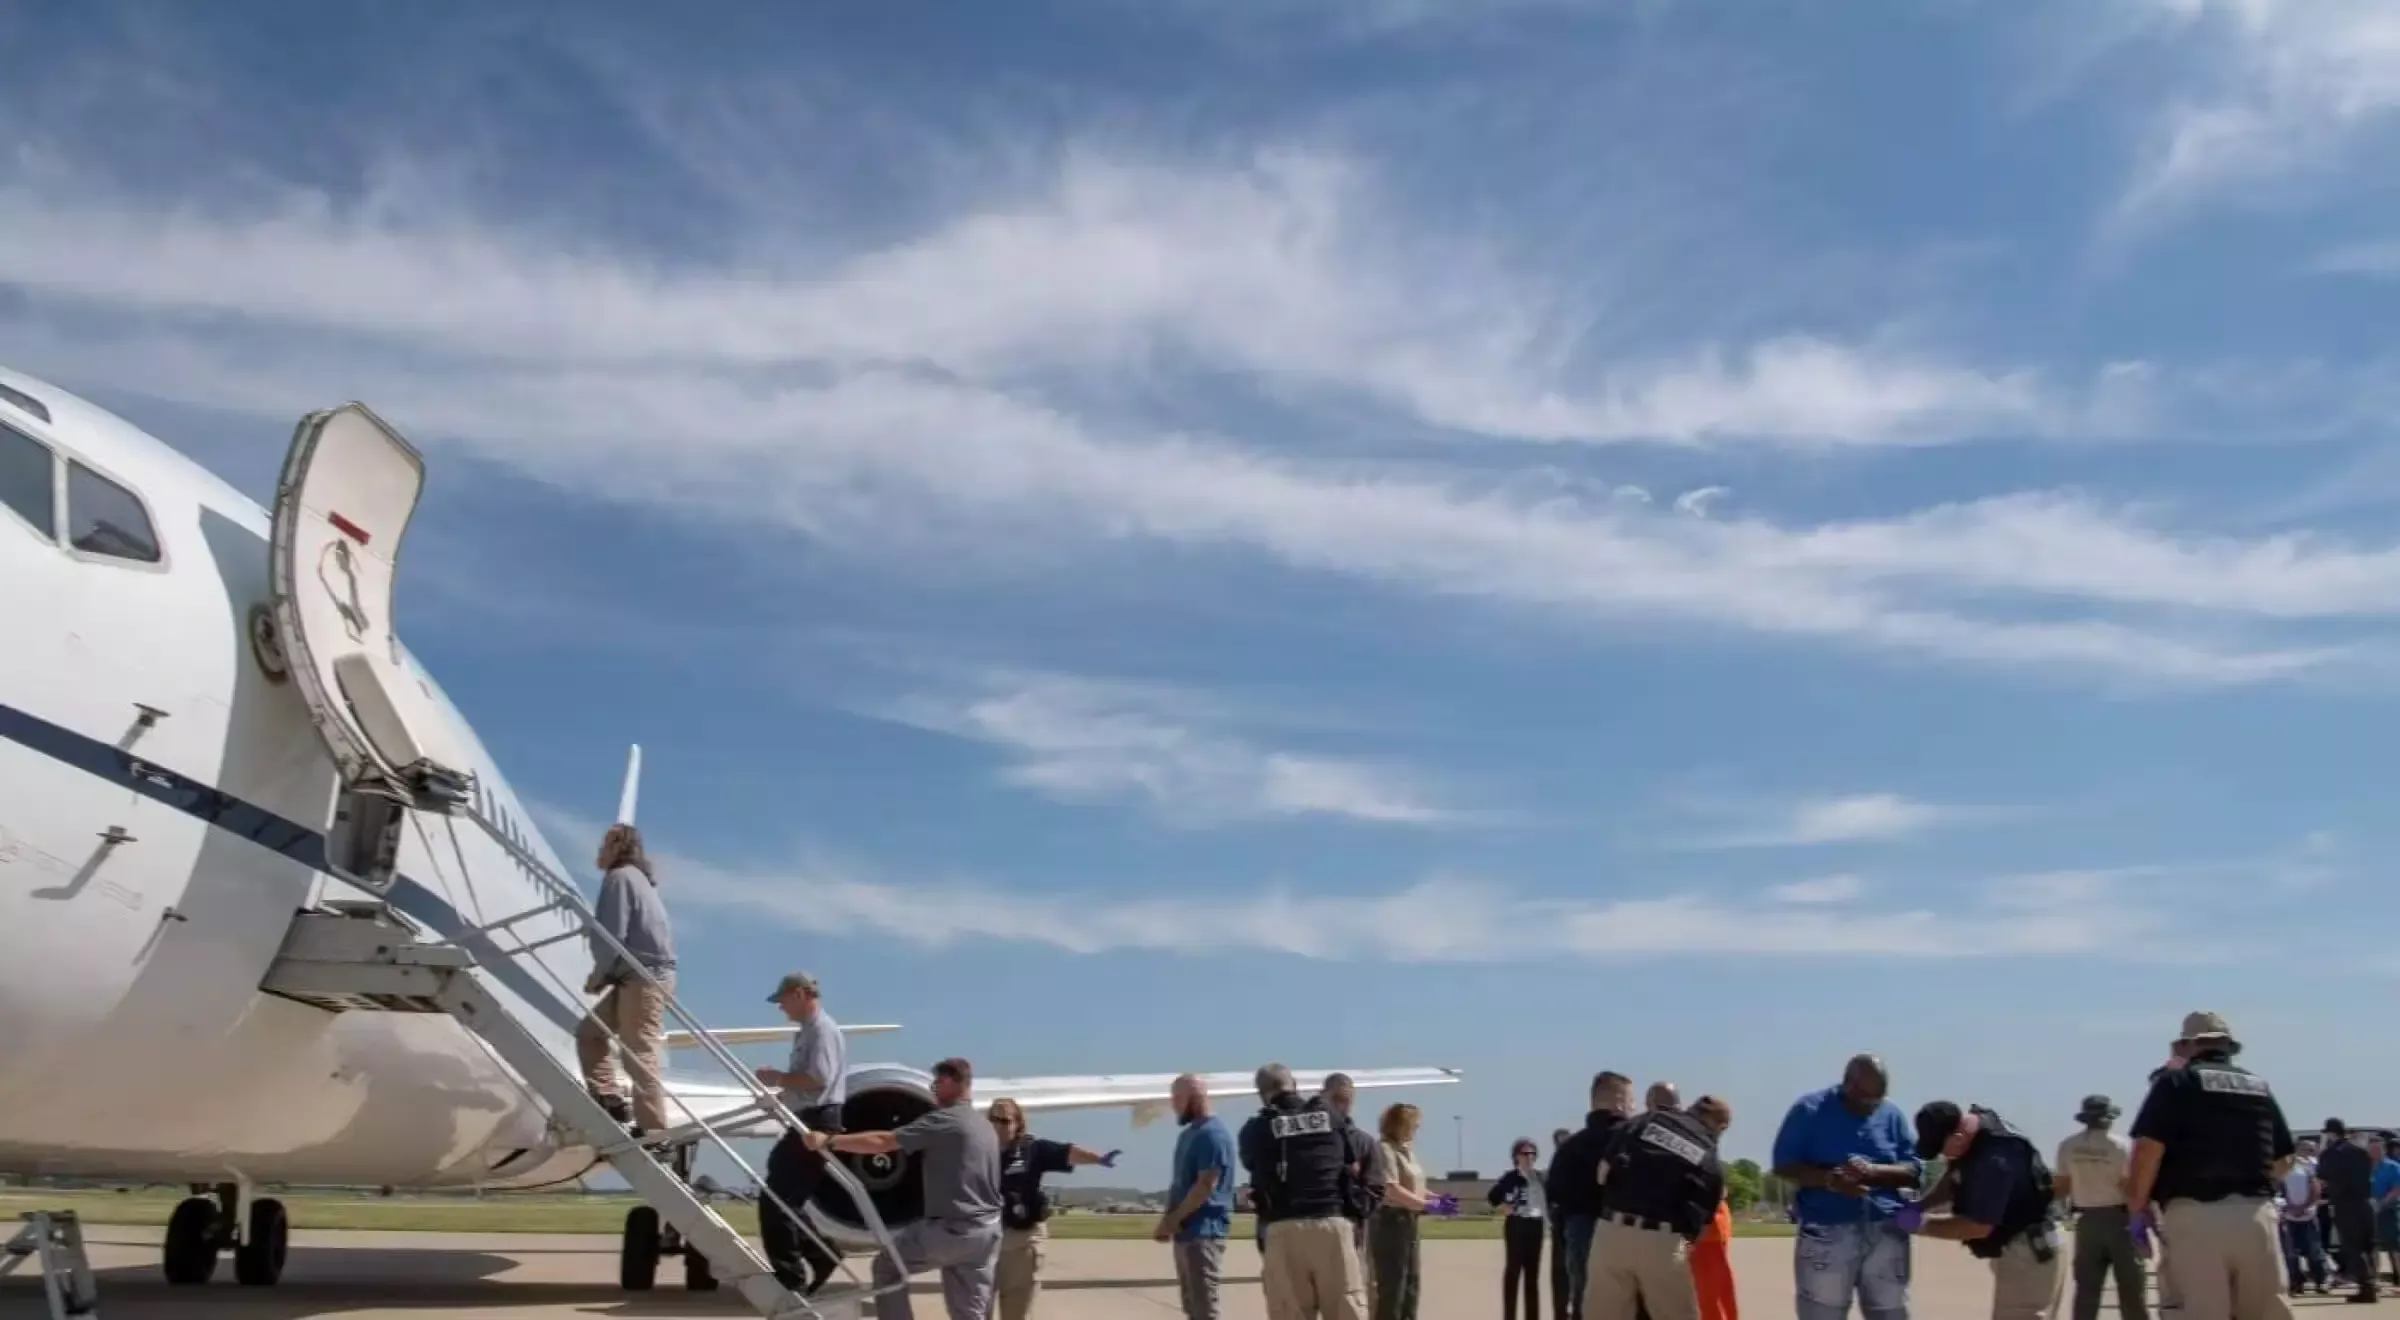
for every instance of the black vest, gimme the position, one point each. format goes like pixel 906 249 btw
pixel 1306 1174
pixel 1663 1166
pixel 2220 1125
pixel 1023 1203
pixel 2028 1201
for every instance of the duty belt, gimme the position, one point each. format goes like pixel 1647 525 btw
pixel 1638 1221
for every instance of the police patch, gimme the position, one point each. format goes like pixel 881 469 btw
pixel 1674 1142
pixel 2231 1083
pixel 1308 1122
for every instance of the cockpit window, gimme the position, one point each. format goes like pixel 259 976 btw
pixel 104 518
pixel 27 481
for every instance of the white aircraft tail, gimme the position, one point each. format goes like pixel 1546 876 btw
pixel 633 786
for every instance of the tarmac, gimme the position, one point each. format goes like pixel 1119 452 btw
pixel 393 1275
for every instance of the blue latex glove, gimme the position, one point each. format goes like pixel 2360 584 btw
pixel 2140 1226
pixel 1909 1218
pixel 1109 1161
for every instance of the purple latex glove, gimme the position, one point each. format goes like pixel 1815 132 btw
pixel 1109 1161
pixel 1442 1204
pixel 1909 1218
pixel 2140 1226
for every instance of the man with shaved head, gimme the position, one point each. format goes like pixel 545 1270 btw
pixel 1661 1098
pixel 1200 1199
pixel 1850 1151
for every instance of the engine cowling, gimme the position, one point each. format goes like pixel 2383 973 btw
pixel 881 1099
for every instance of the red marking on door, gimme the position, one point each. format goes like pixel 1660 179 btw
pixel 347 528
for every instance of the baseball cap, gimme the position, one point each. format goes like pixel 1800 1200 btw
pixel 793 981
pixel 1935 1124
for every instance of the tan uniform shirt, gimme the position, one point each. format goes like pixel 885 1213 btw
pixel 1396 1163
pixel 2096 1164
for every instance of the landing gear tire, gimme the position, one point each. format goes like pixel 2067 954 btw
pixel 637 1259
pixel 191 1248
pixel 258 1261
pixel 697 1276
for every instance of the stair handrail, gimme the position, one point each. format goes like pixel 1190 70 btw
pixel 767 1100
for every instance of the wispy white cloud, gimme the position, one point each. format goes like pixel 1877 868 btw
pixel 2376 259
pixel 1444 918
pixel 2275 90
pixel 1857 818
pixel 1697 502
pixel 895 398
pixel 1282 265
pixel 1179 752
pixel 1823 889
pixel 876 459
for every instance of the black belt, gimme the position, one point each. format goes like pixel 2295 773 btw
pixel 1637 1221
pixel 820 1118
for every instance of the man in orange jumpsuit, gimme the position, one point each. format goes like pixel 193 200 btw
pixel 1711 1256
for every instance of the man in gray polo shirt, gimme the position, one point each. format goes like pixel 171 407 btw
pixel 813 1088
pixel 960 1233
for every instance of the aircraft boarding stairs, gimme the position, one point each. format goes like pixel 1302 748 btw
pixel 362 956
pixel 53 1239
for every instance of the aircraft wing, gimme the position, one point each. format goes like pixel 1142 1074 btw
pixel 685 1040
pixel 1146 1094
pixel 728 1107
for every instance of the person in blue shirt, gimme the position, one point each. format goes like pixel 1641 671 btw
pixel 2386 1190
pixel 1200 1199
pixel 1850 1151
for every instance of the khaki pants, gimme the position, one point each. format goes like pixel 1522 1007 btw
pixel 1021 1252
pixel 1312 1271
pixel 2024 1288
pixel 637 1011
pixel 1636 1269
pixel 2226 1263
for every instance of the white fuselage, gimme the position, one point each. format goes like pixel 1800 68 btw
pixel 134 1041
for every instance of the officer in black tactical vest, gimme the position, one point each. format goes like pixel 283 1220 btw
pixel 1299 1164
pixel 1999 1192
pixel 2208 1145
pixel 1660 1182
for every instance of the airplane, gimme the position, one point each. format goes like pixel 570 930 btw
pixel 191 689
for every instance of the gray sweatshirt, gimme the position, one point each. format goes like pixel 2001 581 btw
pixel 629 909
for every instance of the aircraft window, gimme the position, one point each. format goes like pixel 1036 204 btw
pixel 25 403
pixel 27 480
pixel 104 518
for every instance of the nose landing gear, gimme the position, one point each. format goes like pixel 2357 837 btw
pixel 648 1240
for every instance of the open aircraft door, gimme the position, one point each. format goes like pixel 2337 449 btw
pixel 342 506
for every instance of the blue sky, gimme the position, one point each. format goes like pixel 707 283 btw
pixel 1533 536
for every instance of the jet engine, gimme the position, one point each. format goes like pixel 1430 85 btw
pixel 881 1098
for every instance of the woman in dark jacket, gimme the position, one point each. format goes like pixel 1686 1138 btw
pixel 1525 1199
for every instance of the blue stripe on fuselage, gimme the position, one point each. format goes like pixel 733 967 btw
pixel 272 832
